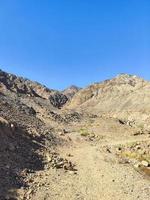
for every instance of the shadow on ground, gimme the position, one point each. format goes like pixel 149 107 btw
pixel 18 157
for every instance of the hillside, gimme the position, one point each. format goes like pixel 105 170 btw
pixel 124 96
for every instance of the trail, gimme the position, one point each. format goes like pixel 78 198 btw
pixel 99 177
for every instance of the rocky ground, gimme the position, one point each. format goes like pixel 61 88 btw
pixel 90 144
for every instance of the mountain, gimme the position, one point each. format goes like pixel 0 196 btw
pixel 26 89
pixel 125 95
pixel 51 140
pixel 71 91
pixel 23 86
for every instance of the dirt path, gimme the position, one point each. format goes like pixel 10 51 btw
pixel 99 177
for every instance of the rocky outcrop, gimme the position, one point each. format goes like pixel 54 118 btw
pixel 58 99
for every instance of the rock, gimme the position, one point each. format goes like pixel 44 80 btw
pixel 138 147
pixel 12 126
pixel 72 172
pixel 145 163
pixel 119 148
pixel 48 157
pixel 122 122
pixel 65 131
pixel 58 163
pixel 61 134
pixel 69 155
pixel 124 161
pixel 137 165
pixel 108 150
pixel 139 132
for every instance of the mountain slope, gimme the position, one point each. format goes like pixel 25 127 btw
pixel 22 86
pixel 123 94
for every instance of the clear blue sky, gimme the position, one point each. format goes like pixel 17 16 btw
pixel 64 42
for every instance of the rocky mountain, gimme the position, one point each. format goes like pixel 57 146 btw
pixel 125 95
pixel 23 86
pixel 51 140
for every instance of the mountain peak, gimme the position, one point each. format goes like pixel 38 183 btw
pixel 74 87
pixel 124 75
pixel 71 91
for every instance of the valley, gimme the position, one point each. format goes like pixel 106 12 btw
pixel 88 143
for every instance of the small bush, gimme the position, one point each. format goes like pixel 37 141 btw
pixel 84 132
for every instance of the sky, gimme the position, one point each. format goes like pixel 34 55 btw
pixel 74 42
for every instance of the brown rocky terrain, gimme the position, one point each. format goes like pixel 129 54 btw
pixel 125 97
pixel 91 143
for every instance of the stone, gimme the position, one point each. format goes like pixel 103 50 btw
pixel 12 126
pixel 145 163
pixel 69 155
pixel 72 172
pixel 137 165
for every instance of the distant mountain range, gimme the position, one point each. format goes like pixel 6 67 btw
pixel 125 95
